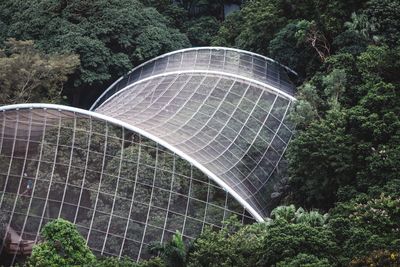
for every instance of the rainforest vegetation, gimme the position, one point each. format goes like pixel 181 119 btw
pixel 341 203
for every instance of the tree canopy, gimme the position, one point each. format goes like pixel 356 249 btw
pixel 340 206
pixel 27 75
pixel 109 36
pixel 62 246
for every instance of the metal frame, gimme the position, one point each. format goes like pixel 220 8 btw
pixel 156 139
pixel 217 120
pixel 189 50
pixel 220 73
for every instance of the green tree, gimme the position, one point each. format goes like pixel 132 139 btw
pixel 160 5
pixel 310 34
pixel 233 245
pixel 284 240
pixel 347 122
pixel 217 248
pixel 304 260
pixel 379 258
pixel 173 253
pixel 368 222
pixel 27 75
pixel 200 31
pixel 154 41
pixel 62 246
pixel 252 28
pixel 126 262
pixel 385 16
pixel 287 49
pixel 229 30
pixel 290 236
pixel 334 84
pixel 177 16
pixel 109 36
pixel 325 142
pixel 291 215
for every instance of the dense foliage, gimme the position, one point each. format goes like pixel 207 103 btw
pixel 26 75
pixel 109 36
pixel 362 230
pixel 344 158
pixel 62 246
pixel 348 122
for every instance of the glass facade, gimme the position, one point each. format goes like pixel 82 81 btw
pixel 120 188
pixel 173 149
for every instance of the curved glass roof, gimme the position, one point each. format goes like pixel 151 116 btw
pixel 216 107
pixel 179 143
pixel 120 188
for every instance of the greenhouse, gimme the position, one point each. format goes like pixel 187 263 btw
pixel 182 142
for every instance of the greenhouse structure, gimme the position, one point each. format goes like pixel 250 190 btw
pixel 182 142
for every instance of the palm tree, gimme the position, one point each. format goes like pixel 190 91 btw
pixel 173 253
pixel 287 213
pixel 361 25
pixel 291 215
pixel 313 218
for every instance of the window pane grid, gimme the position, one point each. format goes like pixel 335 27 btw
pixel 218 111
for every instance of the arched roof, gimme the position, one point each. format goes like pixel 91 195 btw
pixel 228 60
pixel 224 110
pixel 82 112
pixel 119 184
